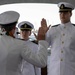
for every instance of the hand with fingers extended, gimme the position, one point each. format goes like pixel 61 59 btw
pixel 41 34
pixel 44 25
pixel 42 30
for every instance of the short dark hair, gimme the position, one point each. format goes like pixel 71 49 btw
pixel 8 27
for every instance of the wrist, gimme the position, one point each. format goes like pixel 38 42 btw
pixel 41 37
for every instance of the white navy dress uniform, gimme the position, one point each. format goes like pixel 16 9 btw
pixel 27 68
pixel 61 37
pixel 13 50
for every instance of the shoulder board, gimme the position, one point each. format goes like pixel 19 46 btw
pixel 56 25
pixel 35 41
pixel 73 24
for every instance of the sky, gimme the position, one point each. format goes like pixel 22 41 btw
pixel 34 12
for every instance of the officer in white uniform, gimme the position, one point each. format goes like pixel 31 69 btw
pixel 13 50
pixel 61 38
pixel 25 31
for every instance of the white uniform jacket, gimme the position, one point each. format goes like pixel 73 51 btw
pixel 27 68
pixel 12 51
pixel 62 41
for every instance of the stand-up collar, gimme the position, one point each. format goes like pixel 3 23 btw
pixel 65 25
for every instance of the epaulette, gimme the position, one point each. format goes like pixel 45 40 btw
pixel 55 25
pixel 35 41
pixel 73 24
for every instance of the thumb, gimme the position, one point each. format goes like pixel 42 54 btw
pixel 35 35
pixel 48 27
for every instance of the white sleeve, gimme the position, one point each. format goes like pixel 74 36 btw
pixel 38 59
pixel 48 37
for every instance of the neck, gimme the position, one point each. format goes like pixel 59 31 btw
pixel 11 34
pixel 65 22
pixel 26 39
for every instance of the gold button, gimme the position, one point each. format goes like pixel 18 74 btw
pixel 62 42
pixel 61 51
pixel 55 36
pixel 61 59
pixel 64 27
pixel 71 37
pixel 63 34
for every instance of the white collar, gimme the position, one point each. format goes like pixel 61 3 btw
pixel 66 24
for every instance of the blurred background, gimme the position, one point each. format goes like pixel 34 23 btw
pixel 34 12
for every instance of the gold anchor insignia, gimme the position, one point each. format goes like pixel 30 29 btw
pixel 25 25
pixel 62 6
